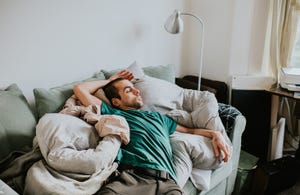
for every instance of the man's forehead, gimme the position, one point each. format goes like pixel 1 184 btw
pixel 124 83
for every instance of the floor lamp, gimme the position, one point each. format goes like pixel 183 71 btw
pixel 174 25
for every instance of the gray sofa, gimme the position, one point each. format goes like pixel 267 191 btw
pixel 18 121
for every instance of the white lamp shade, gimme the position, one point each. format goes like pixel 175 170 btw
pixel 174 23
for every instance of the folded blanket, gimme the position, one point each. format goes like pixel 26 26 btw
pixel 42 179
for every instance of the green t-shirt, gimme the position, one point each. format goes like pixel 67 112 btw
pixel 149 144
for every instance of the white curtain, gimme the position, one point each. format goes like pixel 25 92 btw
pixel 284 16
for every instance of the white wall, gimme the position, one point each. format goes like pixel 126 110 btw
pixel 49 43
pixel 218 18
pixel 234 38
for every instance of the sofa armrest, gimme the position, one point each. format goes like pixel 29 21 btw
pixel 234 123
pixel 236 138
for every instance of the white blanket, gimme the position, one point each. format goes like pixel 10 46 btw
pixel 76 159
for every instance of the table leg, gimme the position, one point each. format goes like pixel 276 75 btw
pixel 273 122
pixel 274 110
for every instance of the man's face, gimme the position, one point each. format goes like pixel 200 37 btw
pixel 130 96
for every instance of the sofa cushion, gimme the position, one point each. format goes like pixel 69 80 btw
pixel 164 72
pixel 17 121
pixel 52 100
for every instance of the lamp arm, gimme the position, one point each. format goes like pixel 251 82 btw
pixel 202 46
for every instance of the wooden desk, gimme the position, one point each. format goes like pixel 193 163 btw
pixel 277 92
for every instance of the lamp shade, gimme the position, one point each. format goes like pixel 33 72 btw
pixel 174 23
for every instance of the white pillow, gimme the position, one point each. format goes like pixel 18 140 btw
pixel 137 72
pixel 138 77
pixel 159 95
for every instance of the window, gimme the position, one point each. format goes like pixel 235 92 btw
pixel 295 57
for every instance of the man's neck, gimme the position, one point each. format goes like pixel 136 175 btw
pixel 127 108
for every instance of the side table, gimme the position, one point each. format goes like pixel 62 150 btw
pixel 278 92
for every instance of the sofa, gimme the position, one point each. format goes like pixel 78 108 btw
pixel 18 122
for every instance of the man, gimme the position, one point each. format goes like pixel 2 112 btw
pixel 146 163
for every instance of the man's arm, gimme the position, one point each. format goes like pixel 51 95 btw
pixel 218 141
pixel 85 90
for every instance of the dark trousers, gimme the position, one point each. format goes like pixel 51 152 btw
pixel 128 182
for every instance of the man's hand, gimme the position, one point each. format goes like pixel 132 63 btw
pixel 85 90
pixel 220 146
pixel 125 74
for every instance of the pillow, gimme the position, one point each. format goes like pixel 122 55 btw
pixel 52 100
pixel 162 77
pixel 164 72
pixel 137 72
pixel 17 121
pixel 160 95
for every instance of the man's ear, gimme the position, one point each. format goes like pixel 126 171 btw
pixel 116 102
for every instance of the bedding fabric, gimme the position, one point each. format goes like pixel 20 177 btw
pixel 67 143
pixel 76 160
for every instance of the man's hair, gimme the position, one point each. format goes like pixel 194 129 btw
pixel 111 91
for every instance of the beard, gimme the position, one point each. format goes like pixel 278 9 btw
pixel 135 104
